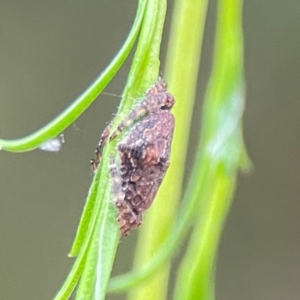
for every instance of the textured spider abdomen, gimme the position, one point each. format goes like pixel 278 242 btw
pixel 144 158
pixel 143 154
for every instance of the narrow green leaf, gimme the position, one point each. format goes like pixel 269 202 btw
pixel 88 211
pixel 145 65
pixel 72 112
pixel 108 241
pixel 98 234
pixel 82 242
pixel 97 244
pixel 101 251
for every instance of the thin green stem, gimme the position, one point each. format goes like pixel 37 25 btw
pixel 145 66
pixel 78 267
pixel 222 153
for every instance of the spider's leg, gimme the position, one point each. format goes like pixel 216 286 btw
pixel 99 150
pixel 164 163
pixel 103 141
pixel 151 103
pixel 139 111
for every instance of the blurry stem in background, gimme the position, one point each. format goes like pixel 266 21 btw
pixel 183 60
pixel 221 154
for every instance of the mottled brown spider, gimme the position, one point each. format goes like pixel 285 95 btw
pixel 143 155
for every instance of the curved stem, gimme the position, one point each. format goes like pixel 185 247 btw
pixel 72 112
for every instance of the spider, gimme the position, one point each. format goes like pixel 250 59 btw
pixel 143 155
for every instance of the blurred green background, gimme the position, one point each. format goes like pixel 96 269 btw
pixel 50 51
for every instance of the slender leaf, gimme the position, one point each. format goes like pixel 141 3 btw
pixel 74 275
pixel 98 234
pixel 72 112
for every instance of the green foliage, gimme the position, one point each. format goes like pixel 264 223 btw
pixel 72 112
pixel 220 154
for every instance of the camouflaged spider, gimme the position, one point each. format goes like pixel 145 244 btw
pixel 143 155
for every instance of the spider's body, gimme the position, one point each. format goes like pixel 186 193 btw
pixel 143 155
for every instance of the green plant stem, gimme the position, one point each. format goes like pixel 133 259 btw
pixel 145 65
pixel 183 60
pixel 182 68
pixel 76 271
pixel 101 252
pixel 222 153
pixel 72 112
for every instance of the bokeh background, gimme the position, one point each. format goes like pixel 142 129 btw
pixel 50 51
